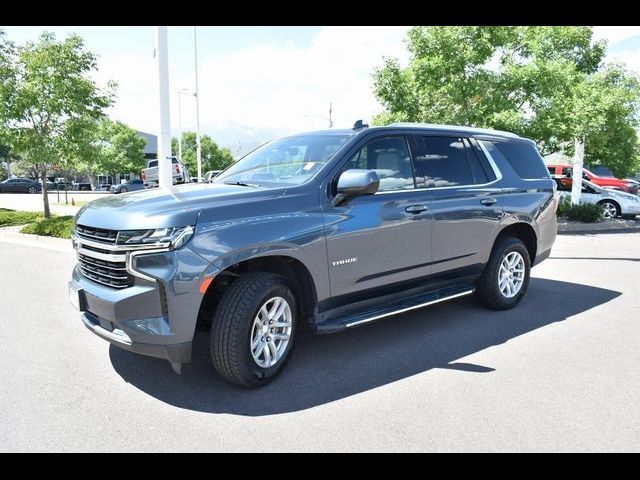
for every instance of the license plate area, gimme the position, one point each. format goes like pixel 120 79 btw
pixel 76 297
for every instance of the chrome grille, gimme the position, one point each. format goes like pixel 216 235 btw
pixel 99 259
pixel 98 234
pixel 111 274
pixel 102 260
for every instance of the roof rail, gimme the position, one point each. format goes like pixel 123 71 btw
pixel 436 126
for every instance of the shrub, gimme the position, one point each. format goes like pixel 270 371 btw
pixel 12 217
pixel 51 227
pixel 583 212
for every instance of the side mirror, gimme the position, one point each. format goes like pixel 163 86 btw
pixel 356 182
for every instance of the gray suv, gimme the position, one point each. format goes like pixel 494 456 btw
pixel 327 230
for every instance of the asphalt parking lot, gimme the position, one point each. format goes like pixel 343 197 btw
pixel 558 373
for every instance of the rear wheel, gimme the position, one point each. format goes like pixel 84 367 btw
pixel 506 276
pixel 610 209
pixel 32 190
pixel 253 329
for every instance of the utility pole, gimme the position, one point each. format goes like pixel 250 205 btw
pixel 198 146
pixel 164 126
pixel 330 118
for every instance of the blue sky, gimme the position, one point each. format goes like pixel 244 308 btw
pixel 282 77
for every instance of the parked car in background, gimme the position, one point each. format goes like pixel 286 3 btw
pixel 82 187
pixel 565 173
pixel 130 186
pixel 103 187
pixel 62 184
pixel 614 202
pixel 50 185
pixel 20 185
pixel 179 173
pixel 210 175
pixel 633 185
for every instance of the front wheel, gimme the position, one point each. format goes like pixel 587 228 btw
pixel 253 329
pixel 506 276
pixel 123 190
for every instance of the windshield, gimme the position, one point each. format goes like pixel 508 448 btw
pixel 286 161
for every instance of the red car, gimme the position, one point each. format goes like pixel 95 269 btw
pixel 564 173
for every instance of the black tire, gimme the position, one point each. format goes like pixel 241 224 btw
pixel 231 328
pixel 488 291
pixel 614 204
pixel 123 190
pixel 32 190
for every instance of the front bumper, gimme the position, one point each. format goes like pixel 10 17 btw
pixel 157 314
pixel 174 353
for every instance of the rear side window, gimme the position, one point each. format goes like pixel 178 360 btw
pixel 153 163
pixel 523 158
pixel 451 161
pixel 552 170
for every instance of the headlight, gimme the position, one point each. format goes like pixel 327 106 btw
pixel 162 237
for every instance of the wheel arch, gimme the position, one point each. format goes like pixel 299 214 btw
pixel 523 231
pixel 294 270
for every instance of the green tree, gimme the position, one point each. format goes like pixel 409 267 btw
pixel 213 157
pixel 545 83
pixel 119 148
pixel 50 104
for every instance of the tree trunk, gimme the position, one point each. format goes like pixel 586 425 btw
pixel 576 175
pixel 45 193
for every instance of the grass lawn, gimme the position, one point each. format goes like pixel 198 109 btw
pixel 52 227
pixel 13 217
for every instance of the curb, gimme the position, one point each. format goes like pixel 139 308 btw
pixel 50 243
pixel 575 228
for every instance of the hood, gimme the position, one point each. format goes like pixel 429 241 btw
pixel 166 207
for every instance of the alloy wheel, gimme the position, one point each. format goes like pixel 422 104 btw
pixel 609 210
pixel 511 274
pixel 271 332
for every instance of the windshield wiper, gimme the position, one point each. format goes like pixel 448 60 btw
pixel 242 184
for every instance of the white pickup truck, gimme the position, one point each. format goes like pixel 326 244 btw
pixel 179 172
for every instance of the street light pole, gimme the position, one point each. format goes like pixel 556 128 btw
pixel 184 91
pixel 164 126
pixel 198 146
pixel 330 119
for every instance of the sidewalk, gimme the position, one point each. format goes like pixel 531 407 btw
pixel 12 235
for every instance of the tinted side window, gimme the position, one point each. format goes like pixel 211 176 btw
pixel 445 163
pixel 552 170
pixel 153 163
pixel 391 160
pixel 566 171
pixel 523 158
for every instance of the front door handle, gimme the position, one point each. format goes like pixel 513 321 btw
pixel 416 209
pixel 488 201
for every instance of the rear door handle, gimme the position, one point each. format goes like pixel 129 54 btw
pixel 416 209
pixel 488 201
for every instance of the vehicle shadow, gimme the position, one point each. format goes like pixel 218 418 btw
pixel 331 367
